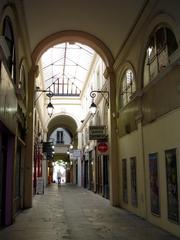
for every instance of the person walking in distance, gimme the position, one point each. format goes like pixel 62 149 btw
pixel 59 178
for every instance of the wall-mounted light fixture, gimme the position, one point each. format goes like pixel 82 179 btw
pixel 49 94
pixel 93 94
pixel 71 146
pixel 50 107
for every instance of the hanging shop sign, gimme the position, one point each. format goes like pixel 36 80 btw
pixel 97 132
pixel 48 149
pixel 102 148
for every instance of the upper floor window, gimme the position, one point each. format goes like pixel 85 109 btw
pixel 60 137
pixel 161 45
pixel 9 37
pixel 21 84
pixel 128 87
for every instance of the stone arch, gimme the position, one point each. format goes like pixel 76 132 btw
pixel 106 55
pixel 9 12
pixel 68 114
pixel 74 36
pixel 63 121
pixel 125 66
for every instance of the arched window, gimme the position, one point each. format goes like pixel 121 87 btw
pixel 162 43
pixel 128 87
pixel 21 84
pixel 9 37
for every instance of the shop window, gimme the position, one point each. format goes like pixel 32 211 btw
pixel 124 180
pixel 18 172
pixel 162 44
pixel 154 183
pixel 9 37
pixel 172 185
pixel 128 87
pixel 134 200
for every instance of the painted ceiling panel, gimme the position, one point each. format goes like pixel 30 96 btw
pixel 108 20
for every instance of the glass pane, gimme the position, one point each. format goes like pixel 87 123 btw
pixel 153 68
pixel 160 39
pixel 22 80
pixel 151 50
pixel 8 33
pixel 124 85
pixel 171 42
pixel 128 86
pixel 65 88
pixel 163 59
pixel 129 77
pixel 146 72
pixel 128 96
pixel 67 61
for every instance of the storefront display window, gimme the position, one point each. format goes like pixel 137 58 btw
pixel 172 186
pixel 154 183
pixel 124 180
pixel 133 182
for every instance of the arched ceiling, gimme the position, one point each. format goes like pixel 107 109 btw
pixel 63 121
pixel 109 20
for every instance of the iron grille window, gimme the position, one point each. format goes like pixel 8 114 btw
pixel 60 137
pixel 9 36
pixel 162 44
pixel 65 68
pixel 128 87
pixel 64 87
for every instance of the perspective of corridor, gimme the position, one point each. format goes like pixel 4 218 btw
pixel 69 212
pixel 89 119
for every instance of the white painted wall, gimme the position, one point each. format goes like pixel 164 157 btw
pixel 157 137
pixel 129 146
pixel 66 137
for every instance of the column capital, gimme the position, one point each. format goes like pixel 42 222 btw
pixel 139 117
pixel 35 70
pixel 109 73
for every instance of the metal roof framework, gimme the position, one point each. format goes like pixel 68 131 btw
pixel 65 68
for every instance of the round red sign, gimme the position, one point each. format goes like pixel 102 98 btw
pixel 102 147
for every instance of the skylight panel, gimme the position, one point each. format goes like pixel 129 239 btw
pixel 66 64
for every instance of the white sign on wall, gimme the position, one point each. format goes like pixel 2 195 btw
pixel 40 185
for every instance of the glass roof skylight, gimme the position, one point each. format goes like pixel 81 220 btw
pixel 65 67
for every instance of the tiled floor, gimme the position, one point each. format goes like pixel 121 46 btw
pixel 70 212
